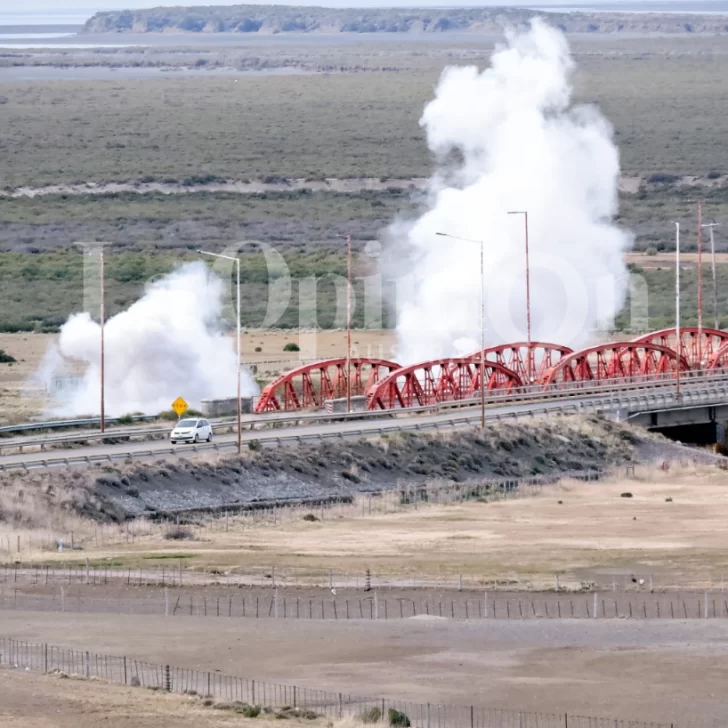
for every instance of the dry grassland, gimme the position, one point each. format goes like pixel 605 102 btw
pixel 29 700
pixel 584 533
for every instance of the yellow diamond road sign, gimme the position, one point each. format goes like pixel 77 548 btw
pixel 180 406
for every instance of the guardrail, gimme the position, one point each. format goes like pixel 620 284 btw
pixel 59 424
pixel 531 391
pixel 494 399
pixel 594 404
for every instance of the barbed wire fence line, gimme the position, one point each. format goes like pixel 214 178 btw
pixel 35 560
pixel 279 605
pixel 293 699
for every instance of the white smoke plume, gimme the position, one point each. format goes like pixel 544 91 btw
pixel 166 345
pixel 508 138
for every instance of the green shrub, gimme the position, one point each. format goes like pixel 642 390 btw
pixel 398 718
pixel 290 346
pixel 626 495
pixel 6 358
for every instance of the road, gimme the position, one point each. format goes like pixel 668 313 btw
pixel 311 432
pixel 701 392
pixel 352 428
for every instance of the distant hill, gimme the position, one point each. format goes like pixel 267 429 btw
pixel 271 19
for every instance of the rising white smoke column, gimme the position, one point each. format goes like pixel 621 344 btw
pixel 505 139
pixel 167 344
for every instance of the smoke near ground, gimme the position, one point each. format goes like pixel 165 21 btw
pixel 507 138
pixel 166 345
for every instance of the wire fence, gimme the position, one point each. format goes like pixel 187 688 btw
pixel 19 544
pixel 375 607
pixel 288 699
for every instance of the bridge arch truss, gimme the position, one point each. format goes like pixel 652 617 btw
pixel 628 361
pixel 310 385
pixel 698 346
pixel 440 380
pixel 529 363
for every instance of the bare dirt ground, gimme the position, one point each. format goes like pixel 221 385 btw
pixel 30 700
pixel 21 399
pixel 652 671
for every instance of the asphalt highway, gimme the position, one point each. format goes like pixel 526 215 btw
pixel 694 393
pixel 345 428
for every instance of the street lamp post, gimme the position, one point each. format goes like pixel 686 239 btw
pixel 482 321
pixel 677 307
pixel 529 353
pixel 102 316
pixel 240 405
pixel 700 283
pixel 710 226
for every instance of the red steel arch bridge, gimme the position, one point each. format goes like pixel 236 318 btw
pixel 504 369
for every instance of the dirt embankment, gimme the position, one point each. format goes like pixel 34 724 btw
pixel 328 470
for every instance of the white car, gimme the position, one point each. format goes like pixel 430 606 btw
pixel 191 431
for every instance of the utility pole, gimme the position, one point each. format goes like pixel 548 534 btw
pixel 712 265
pixel 238 356
pixel 348 323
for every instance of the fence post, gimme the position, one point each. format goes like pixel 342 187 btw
pixel 705 606
pixel 341 706
pixel 45 658
pixel 295 704
pixel 209 689
pixel 485 605
pixel 252 691
pixel 87 666
pixel 472 716
pixel 166 602
pixel 566 720
pixel 125 680
pixel 596 605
